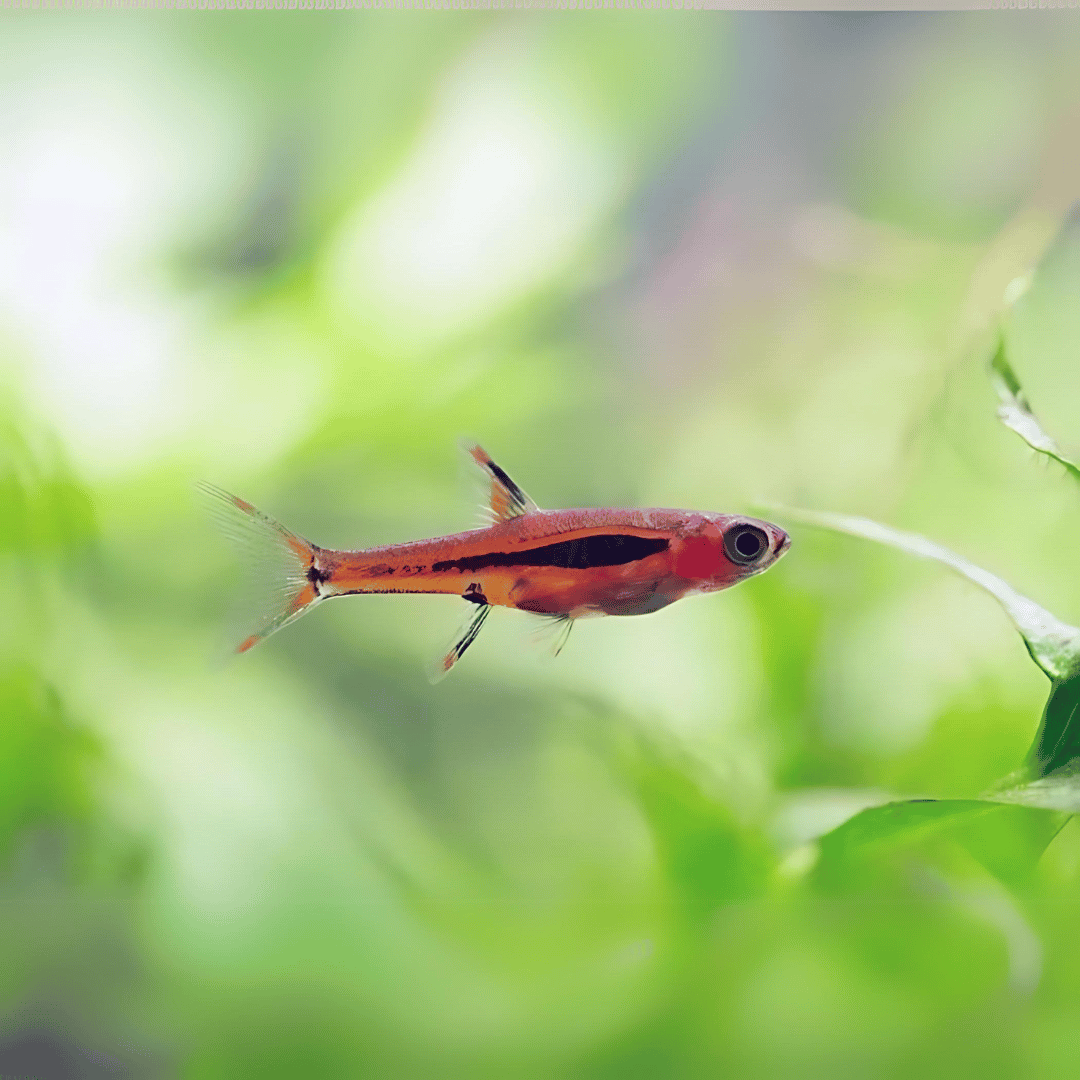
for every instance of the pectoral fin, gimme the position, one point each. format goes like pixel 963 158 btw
pixel 507 500
pixel 554 631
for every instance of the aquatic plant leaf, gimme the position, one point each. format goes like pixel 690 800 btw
pixel 709 859
pixel 1015 412
pixel 1053 644
pixel 897 823
pixel 1057 742
pixel 1006 835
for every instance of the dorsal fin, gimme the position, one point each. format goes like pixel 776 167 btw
pixel 507 500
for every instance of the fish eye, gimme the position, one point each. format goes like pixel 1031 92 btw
pixel 745 544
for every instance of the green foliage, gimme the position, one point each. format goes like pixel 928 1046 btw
pixel 759 834
pixel 1055 753
pixel 1053 645
pixel 43 510
pixel 1057 742
pixel 44 760
pixel 1015 412
pixel 1008 840
pixel 706 856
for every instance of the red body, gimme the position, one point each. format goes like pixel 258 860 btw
pixel 499 564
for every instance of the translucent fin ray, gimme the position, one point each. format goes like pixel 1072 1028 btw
pixel 553 632
pixel 275 564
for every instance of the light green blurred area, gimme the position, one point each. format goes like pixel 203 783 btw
pixel 704 260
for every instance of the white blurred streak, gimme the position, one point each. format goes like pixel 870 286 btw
pixel 988 901
pixel 97 175
pixel 810 813
pixel 998 909
pixel 69 187
pixel 501 188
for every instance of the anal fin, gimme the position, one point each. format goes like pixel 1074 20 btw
pixel 462 640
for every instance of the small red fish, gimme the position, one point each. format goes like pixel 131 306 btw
pixel 564 564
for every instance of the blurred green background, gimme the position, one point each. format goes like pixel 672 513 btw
pixel 698 260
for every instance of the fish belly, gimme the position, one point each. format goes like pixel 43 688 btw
pixel 578 595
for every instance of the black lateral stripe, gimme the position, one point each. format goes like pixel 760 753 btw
pixel 606 549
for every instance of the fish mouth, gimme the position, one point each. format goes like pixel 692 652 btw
pixel 783 545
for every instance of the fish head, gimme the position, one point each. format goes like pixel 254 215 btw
pixel 718 550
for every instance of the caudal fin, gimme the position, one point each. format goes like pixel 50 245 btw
pixel 278 565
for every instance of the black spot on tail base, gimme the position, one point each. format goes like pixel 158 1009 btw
pixel 317 577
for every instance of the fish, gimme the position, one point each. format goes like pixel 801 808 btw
pixel 563 565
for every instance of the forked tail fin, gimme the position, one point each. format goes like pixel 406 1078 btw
pixel 279 565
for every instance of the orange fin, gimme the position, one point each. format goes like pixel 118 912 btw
pixel 278 565
pixel 506 500
pixel 462 640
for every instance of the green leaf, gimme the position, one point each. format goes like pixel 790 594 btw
pixel 897 824
pixel 1053 645
pixel 709 859
pixel 45 761
pixel 1057 741
pixel 1015 412
pixel 1007 835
